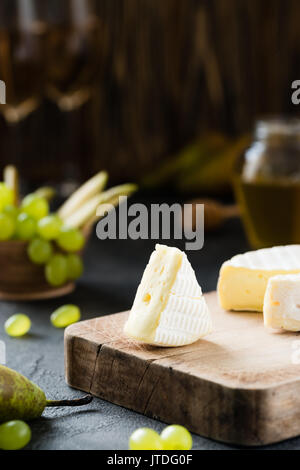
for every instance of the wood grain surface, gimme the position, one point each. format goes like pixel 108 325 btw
pixel 238 385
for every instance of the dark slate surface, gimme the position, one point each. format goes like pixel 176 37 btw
pixel 113 270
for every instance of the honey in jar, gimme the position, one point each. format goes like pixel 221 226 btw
pixel 267 184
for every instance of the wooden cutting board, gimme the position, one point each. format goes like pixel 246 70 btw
pixel 238 385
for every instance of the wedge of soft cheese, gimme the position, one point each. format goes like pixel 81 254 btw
pixel 169 308
pixel 243 279
pixel 282 302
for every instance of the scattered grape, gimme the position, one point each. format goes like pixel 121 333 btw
pixel 65 316
pixel 14 435
pixel 26 227
pixel 176 437
pixel 56 271
pixel 7 227
pixel 49 227
pixel 145 439
pixel 39 251
pixel 17 325
pixel 6 196
pixel 35 206
pixel 75 267
pixel 70 239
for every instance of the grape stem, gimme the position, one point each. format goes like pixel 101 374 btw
pixel 75 402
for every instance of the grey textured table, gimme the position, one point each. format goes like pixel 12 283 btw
pixel 113 270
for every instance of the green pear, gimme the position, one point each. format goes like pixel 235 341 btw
pixel 22 399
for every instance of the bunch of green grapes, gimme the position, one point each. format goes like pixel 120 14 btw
pixel 57 247
pixel 50 243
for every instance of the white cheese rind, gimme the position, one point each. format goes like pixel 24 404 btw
pixel 282 302
pixel 277 258
pixel 243 279
pixel 183 321
pixel 169 308
pixel 186 283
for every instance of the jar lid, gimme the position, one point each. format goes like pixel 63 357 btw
pixel 277 126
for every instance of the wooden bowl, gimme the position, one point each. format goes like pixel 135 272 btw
pixel 22 280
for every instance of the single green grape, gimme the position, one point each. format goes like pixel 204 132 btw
pixel 14 435
pixel 145 439
pixel 35 206
pixel 56 270
pixel 75 267
pixel 6 196
pixel 11 210
pixel 17 325
pixel 7 227
pixel 39 251
pixel 65 316
pixel 176 437
pixel 70 239
pixel 49 227
pixel 26 227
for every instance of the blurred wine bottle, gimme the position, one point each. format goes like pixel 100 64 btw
pixel 72 53
pixel 71 65
pixel 22 42
pixel 22 49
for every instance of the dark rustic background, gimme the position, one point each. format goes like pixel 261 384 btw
pixel 173 68
pixel 168 71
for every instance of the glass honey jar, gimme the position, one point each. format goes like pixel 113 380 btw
pixel 267 184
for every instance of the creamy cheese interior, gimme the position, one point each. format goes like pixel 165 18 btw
pixel 153 292
pixel 282 302
pixel 243 279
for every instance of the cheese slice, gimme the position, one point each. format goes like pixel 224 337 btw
pixel 243 279
pixel 282 302
pixel 169 308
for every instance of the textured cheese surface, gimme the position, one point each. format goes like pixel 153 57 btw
pixel 243 279
pixel 169 309
pixel 282 302
pixel 278 258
